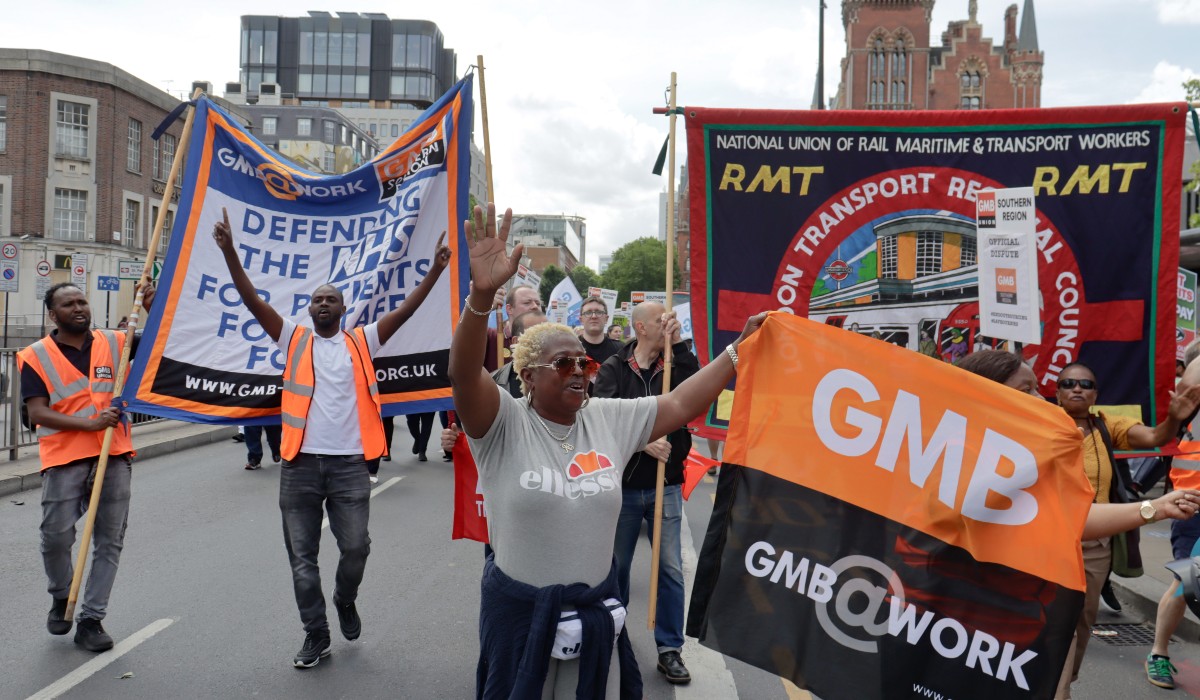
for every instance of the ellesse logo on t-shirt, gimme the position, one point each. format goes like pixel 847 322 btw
pixel 589 473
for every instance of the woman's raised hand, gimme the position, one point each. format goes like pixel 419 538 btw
pixel 491 263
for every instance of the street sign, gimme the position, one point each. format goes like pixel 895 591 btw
pixel 9 250
pixel 132 269
pixel 106 283
pixel 79 270
pixel 43 268
pixel 42 278
pixel 9 279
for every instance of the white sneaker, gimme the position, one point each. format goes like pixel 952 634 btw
pixel 374 479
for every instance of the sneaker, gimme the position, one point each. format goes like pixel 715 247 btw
pixel 348 619
pixel 54 621
pixel 387 458
pixel 671 665
pixel 251 466
pixel 275 457
pixel 239 438
pixel 422 458
pixel 1159 670
pixel 316 647
pixel 712 471
pixel 1110 597
pixel 90 635
pixel 374 479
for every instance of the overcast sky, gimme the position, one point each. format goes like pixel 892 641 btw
pixel 571 85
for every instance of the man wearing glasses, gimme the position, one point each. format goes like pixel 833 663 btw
pixel 597 344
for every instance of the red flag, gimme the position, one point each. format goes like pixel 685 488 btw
pixel 469 522
pixel 695 466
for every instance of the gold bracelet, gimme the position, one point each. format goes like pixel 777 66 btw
pixel 468 307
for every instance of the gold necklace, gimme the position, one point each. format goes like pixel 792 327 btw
pixel 562 441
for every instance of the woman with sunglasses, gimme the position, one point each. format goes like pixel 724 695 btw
pixel 1111 513
pixel 550 471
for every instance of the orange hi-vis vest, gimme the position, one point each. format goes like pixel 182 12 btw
pixel 72 394
pixel 1189 456
pixel 298 383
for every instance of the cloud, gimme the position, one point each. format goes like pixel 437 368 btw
pixel 1177 11
pixel 1166 83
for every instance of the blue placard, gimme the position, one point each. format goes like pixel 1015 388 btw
pixel 106 283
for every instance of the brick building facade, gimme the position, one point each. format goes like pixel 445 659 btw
pixel 79 173
pixel 890 62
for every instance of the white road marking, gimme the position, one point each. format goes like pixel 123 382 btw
pixel 387 484
pixel 710 677
pixel 85 671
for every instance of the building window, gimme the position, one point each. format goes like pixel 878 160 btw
pixel 133 221
pixel 268 126
pixel 887 257
pixel 133 157
pixel 164 238
pixel 969 255
pixel 164 155
pixel 971 90
pixel 70 211
pixel 929 253
pixel 330 162
pixel 71 130
pixel 304 126
pixel 330 132
pixel 395 130
pixel 2 231
pixel 3 123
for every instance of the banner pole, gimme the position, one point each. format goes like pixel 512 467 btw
pixel 491 192
pixel 119 387
pixel 656 548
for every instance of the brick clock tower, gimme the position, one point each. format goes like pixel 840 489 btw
pixel 890 64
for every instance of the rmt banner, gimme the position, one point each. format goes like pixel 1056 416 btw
pixel 866 221
pixel 899 528
pixel 371 233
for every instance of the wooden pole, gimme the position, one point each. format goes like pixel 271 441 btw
pixel 491 192
pixel 147 269
pixel 656 549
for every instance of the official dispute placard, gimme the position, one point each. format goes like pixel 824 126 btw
pixel 1008 281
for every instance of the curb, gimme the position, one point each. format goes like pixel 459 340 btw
pixel 32 479
pixel 1141 595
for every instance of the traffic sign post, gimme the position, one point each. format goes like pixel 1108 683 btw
pixel 108 284
pixel 42 280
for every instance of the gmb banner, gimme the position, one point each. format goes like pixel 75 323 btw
pixel 900 528
pixel 866 220
pixel 370 232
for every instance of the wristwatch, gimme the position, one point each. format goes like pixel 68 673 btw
pixel 1147 511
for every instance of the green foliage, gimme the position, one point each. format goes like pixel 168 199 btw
pixel 551 276
pixel 584 277
pixel 639 265
pixel 868 269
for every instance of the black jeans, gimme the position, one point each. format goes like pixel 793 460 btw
pixel 253 433
pixel 307 485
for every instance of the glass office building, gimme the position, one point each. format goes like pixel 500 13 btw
pixel 346 59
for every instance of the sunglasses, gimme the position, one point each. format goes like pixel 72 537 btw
pixel 567 365
pixel 1085 384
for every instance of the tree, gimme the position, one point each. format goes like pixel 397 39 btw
pixel 583 277
pixel 1192 90
pixel 639 265
pixel 551 276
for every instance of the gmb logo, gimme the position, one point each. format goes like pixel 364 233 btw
pixel 278 182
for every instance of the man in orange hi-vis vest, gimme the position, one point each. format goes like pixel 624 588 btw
pixel 67 381
pixel 331 427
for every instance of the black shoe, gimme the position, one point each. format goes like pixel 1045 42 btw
pixel 90 635
pixel 348 620
pixel 251 466
pixel 447 457
pixel 316 647
pixel 54 621
pixel 671 665
pixel 422 458
pixel 239 438
pixel 275 457
pixel 387 458
pixel 1110 597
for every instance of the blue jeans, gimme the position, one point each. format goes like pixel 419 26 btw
pixel 66 491
pixel 338 483
pixel 636 506
pixel 253 433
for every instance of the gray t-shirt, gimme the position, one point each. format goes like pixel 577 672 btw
pixel 552 514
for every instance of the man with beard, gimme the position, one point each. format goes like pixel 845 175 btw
pixel 331 427
pixel 68 379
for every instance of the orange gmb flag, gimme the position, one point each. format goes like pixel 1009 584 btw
pixel 966 460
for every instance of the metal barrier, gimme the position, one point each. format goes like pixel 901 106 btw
pixel 16 435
